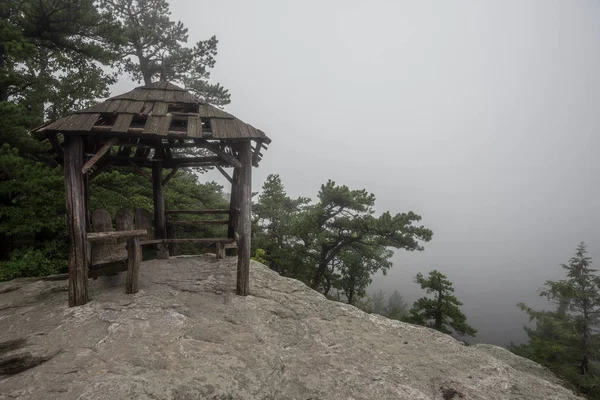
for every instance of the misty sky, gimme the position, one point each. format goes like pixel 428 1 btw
pixel 481 116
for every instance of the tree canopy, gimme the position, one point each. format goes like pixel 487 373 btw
pixel 336 244
pixel 156 48
pixel 567 340
pixel 442 312
pixel 56 56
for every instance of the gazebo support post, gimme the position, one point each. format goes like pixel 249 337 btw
pixel 160 221
pixel 244 224
pixel 234 211
pixel 88 213
pixel 76 219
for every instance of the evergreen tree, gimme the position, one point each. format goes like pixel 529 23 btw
pixel 274 215
pixel 352 270
pixel 50 51
pixel 342 221
pixel 442 312
pixel 156 48
pixel 396 306
pixel 378 302
pixel 335 245
pixel 567 340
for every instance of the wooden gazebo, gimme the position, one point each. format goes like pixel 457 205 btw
pixel 146 128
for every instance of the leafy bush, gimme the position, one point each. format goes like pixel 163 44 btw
pixel 48 259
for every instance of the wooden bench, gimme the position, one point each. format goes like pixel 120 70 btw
pixel 220 243
pixel 114 251
pixel 117 249
pixel 133 257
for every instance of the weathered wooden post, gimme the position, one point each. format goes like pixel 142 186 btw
pixel 160 221
pixel 244 223
pixel 234 211
pixel 76 219
pixel 134 257
pixel 88 216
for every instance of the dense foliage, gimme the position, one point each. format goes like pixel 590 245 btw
pixel 567 340
pixel 50 63
pixel 155 47
pixel 334 245
pixel 57 56
pixel 394 307
pixel 442 312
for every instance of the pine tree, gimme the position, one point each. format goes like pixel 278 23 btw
pixel 396 307
pixel 378 303
pixel 353 268
pixel 51 52
pixel 567 340
pixel 274 214
pixel 442 312
pixel 342 221
pixel 156 48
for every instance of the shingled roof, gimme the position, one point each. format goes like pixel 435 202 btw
pixel 160 109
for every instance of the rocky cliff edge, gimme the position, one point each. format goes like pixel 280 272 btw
pixel 186 335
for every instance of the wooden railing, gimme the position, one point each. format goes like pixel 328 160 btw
pixel 221 243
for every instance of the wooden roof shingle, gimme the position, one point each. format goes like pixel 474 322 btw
pixel 155 106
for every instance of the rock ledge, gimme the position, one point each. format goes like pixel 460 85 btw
pixel 186 335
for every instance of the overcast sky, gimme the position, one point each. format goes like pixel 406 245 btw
pixel 482 116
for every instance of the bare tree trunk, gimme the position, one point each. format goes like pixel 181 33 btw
pixel 438 312
pixel 321 268
pixel 586 340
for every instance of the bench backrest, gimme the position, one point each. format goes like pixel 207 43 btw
pixel 116 250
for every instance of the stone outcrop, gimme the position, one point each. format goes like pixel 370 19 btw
pixel 186 335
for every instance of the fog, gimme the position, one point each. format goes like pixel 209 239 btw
pixel 480 116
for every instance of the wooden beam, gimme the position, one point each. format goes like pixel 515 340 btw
pixel 198 212
pixel 86 201
pixel 76 217
pixel 188 240
pixel 233 204
pixel 104 236
pixel 224 173
pixel 215 149
pixel 185 146
pixel 245 227
pixel 170 175
pixel 160 220
pixel 141 161
pixel 200 222
pixel 141 172
pixel 134 257
pixel 192 160
pixel 108 128
pixel 99 169
pixel 103 150
pixel 256 155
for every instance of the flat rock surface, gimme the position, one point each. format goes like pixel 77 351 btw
pixel 186 335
